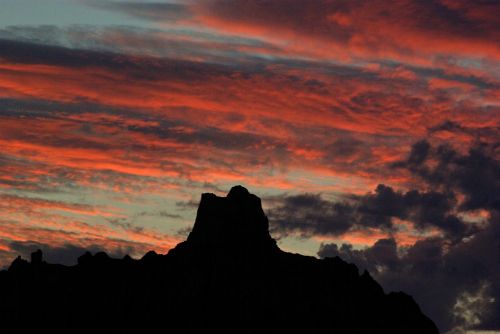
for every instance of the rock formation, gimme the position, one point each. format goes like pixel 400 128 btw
pixel 229 276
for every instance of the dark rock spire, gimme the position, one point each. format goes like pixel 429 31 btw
pixel 231 223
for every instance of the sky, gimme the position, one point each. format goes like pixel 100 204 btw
pixel 370 129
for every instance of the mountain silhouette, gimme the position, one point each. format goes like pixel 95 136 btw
pixel 229 276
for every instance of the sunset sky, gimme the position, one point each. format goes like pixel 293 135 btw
pixel 370 129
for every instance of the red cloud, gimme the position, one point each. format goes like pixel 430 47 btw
pixel 409 29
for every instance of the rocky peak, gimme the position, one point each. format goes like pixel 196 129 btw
pixel 229 276
pixel 236 221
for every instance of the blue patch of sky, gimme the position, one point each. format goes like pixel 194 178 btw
pixel 61 13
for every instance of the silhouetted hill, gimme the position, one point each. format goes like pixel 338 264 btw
pixel 229 276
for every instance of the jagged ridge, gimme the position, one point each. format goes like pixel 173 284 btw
pixel 229 276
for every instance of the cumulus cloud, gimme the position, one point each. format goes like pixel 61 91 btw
pixel 456 284
pixel 312 215
pixel 475 174
pixel 453 275
pixel 454 279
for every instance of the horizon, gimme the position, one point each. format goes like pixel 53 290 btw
pixel 369 129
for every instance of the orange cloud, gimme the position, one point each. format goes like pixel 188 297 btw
pixel 407 30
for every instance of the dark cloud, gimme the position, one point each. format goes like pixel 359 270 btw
pixel 478 134
pixel 475 174
pixel 346 150
pixel 207 136
pixel 25 107
pixel 312 215
pixel 161 213
pixel 442 277
pixel 454 276
pixel 381 256
pixel 419 152
pixel 166 43
pixel 187 205
pixel 447 126
pixel 143 68
pixel 309 215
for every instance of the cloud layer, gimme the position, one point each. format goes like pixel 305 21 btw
pixel 454 266
pixel 365 123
